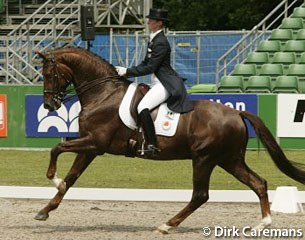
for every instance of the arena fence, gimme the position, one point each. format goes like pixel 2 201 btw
pixel 194 54
pixel 266 105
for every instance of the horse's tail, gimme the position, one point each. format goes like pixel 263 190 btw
pixel 290 168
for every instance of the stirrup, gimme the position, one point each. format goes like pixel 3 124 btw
pixel 151 150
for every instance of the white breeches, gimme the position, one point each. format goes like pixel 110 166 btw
pixel 154 97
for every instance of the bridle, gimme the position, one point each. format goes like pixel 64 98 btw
pixel 58 94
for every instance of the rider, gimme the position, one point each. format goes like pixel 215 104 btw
pixel 167 85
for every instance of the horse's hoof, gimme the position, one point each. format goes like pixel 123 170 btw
pixel 41 216
pixel 266 222
pixel 261 226
pixel 164 229
pixel 62 187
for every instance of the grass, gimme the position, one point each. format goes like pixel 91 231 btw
pixel 28 168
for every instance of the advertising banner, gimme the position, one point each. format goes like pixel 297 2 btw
pixel 64 122
pixel 3 117
pixel 42 123
pixel 241 102
pixel 290 115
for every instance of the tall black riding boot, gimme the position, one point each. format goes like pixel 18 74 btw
pixel 149 131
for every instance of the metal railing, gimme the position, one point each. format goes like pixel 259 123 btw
pixel 115 13
pixel 46 28
pixel 43 28
pixel 239 52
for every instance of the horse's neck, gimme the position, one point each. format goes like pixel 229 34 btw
pixel 78 62
pixel 90 81
pixel 101 89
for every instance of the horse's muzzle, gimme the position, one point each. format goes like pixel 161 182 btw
pixel 52 105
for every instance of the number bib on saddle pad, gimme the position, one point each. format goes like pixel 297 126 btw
pixel 165 124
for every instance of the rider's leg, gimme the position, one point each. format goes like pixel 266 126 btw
pixel 155 96
pixel 149 131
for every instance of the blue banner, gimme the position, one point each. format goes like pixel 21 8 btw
pixel 241 102
pixel 64 122
pixel 42 123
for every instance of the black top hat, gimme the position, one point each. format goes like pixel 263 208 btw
pixel 158 14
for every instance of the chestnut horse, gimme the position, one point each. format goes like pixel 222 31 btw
pixel 212 134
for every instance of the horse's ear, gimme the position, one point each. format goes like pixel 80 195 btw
pixel 41 55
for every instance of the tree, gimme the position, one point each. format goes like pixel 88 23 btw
pixel 191 15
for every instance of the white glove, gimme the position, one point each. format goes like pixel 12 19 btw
pixel 121 70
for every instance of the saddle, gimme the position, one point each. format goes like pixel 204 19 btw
pixel 165 121
pixel 140 92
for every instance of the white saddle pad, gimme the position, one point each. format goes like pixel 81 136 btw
pixel 165 124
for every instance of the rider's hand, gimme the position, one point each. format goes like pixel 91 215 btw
pixel 121 70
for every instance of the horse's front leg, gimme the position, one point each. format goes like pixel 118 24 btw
pixel 76 145
pixel 51 173
pixel 80 164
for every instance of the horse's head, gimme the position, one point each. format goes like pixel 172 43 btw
pixel 57 76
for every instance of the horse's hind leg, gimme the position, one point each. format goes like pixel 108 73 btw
pixel 80 164
pixel 202 170
pixel 259 185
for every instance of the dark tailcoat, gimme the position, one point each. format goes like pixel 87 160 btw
pixel 157 61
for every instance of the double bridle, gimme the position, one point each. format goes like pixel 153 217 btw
pixel 58 94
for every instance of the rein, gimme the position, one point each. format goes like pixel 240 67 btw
pixel 85 87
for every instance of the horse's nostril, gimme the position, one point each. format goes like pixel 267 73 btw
pixel 46 105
